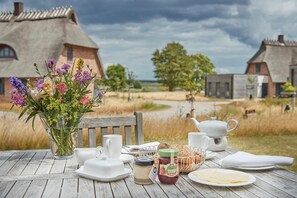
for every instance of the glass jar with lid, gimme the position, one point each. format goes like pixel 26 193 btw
pixel 168 172
pixel 142 167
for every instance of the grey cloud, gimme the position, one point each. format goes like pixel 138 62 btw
pixel 123 11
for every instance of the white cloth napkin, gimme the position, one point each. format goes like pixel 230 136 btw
pixel 141 147
pixel 243 159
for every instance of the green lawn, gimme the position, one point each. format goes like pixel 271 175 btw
pixel 268 145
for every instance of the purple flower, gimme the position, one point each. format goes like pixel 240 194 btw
pixel 100 94
pixel 82 77
pixel 39 84
pixel 66 67
pixel 18 85
pixel 18 98
pixel 61 71
pixel 50 63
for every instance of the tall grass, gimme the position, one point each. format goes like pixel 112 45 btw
pixel 15 134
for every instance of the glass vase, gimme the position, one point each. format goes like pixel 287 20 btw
pixel 62 136
pixel 62 141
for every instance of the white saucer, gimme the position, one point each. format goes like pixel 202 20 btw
pixel 210 154
pixel 125 158
pixel 82 173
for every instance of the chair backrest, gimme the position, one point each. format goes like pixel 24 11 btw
pixel 114 123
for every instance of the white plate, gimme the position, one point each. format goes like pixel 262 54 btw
pixel 82 173
pixel 255 167
pixel 210 154
pixel 125 158
pixel 251 180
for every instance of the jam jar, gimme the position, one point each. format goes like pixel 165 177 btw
pixel 168 171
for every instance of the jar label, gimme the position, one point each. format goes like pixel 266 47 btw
pixel 169 170
pixel 153 173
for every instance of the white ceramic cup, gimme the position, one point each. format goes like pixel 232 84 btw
pixel 112 145
pixel 198 139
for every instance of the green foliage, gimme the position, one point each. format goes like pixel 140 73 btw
pixel 198 66
pixel 169 64
pixel 288 87
pixel 174 68
pixel 116 77
pixel 137 84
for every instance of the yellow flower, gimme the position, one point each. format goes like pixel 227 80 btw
pixel 80 64
pixel 48 86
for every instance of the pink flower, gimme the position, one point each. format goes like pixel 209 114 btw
pixel 85 100
pixel 62 88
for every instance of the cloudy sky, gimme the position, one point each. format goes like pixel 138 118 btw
pixel 229 32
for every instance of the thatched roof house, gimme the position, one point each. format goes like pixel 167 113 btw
pixel 28 37
pixel 273 59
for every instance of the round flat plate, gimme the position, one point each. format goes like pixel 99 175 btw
pixel 251 180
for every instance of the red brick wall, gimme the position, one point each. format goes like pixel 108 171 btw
pixel 90 58
pixel 264 71
pixel 89 55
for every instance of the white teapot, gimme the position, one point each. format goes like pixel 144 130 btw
pixel 215 128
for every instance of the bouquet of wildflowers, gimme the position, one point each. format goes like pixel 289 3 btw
pixel 60 98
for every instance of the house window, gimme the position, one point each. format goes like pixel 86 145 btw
pixel 1 86
pixel 227 89
pixel 209 88
pixel 6 52
pixel 69 53
pixel 258 68
pixel 218 91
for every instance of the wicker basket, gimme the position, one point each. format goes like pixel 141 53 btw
pixel 189 158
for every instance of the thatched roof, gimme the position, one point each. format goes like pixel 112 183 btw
pixel 278 56
pixel 37 36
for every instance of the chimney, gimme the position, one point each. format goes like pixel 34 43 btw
pixel 18 8
pixel 280 38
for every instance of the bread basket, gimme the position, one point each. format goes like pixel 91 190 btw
pixel 189 158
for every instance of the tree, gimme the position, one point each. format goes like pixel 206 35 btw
pixel 197 68
pixel 169 64
pixel 174 67
pixel 130 82
pixel 116 77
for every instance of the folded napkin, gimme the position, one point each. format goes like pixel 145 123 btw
pixel 243 159
pixel 142 147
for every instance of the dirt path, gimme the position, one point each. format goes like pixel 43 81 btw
pixel 181 108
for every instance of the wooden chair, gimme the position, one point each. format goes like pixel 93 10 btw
pixel 114 123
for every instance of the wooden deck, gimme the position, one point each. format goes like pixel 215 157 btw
pixel 35 173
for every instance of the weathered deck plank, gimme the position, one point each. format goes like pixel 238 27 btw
pixel 35 189
pixel 53 188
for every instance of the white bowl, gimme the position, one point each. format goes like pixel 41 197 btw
pixel 83 154
pixel 104 167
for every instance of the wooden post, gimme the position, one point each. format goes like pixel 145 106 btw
pixel 139 137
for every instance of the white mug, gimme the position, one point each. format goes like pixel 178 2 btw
pixel 112 145
pixel 198 139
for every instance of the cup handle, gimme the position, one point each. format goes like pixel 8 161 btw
pixel 108 142
pixel 235 125
pixel 207 142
